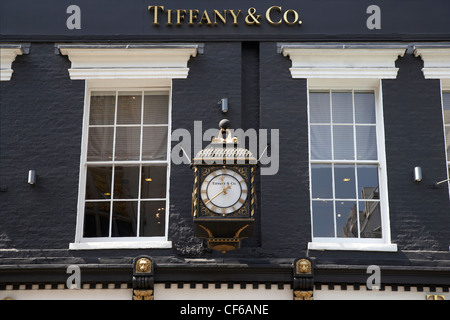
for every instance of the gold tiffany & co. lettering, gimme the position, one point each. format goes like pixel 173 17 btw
pixel 274 16
pixel 193 16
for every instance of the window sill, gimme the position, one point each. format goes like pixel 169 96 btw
pixel 386 247
pixel 121 245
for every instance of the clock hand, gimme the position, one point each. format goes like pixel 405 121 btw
pixel 224 189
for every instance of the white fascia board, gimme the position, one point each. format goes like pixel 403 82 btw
pixel 128 63
pixel 342 62
pixel 7 56
pixel 436 62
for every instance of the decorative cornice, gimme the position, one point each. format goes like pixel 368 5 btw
pixel 436 61
pixel 7 55
pixel 343 61
pixel 128 62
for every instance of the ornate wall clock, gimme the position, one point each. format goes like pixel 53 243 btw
pixel 223 200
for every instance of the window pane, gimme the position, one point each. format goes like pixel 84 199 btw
pixel 102 108
pixel 98 182
pixel 153 182
pixel 156 108
pixel 126 182
pixel 323 222
pixel 124 219
pixel 96 219
pixel 129 108
pixel 446 102
pixel 153 217
pixel 320 142
pixel 365 107
pixel 127 143
pixel 344 182
pixel 368 182
pixel 319 106
pixel 100 144
pixel 154 145
pixel 370 219
pixel 346 219
pixel 321 180
pixel 343 143
pixel 342 107
pixel 366 143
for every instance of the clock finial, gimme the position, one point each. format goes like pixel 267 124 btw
pixel 224 124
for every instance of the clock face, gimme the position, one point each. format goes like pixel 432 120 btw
pixel 224 191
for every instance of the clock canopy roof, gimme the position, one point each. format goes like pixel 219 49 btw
pixel 224 150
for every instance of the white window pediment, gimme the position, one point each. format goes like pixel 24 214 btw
pixel 8 54
pixel 343 61
pixel 129 61
pixel 436 61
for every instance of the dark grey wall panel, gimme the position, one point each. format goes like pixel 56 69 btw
pixel 40 129
pixel 414 137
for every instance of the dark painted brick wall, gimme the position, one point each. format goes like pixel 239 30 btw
pixel 420 215
pixel 286 220
pixel 40 129
pixel 41 124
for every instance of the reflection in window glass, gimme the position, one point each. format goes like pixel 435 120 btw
pixel 344 181
pixel 370 219
pixel 153 215
pixel 346 215
pixel 322 212
pixel 124 219
pixel 344 165
pixel 322 187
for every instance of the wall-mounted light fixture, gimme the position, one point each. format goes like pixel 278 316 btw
pixel 417 174
pixel 32 177
pixel 224 104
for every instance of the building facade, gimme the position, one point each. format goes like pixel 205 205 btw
pixel 345 106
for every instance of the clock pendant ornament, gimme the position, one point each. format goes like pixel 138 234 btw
pixel 224 199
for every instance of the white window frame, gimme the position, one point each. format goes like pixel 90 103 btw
pixel 367 244
pixel 119 242
pixel 350 67
pixel 445 88
pixel 128 67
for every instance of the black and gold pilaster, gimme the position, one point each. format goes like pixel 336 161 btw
pixel 143 283
pixel 303 279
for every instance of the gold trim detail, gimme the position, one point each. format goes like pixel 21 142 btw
pixel 303 266
pixel 143 295
pixel 207 230
pixel 240 230
pixel 144 265
pixel 435 297
pixel 303 295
